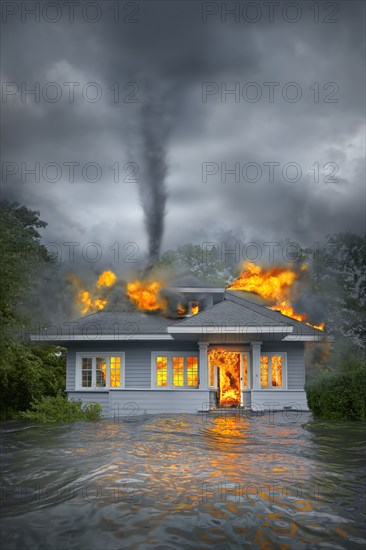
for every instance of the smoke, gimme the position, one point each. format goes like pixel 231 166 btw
pixel 152 184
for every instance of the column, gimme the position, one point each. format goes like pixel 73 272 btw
pixel 256 354
pixel 203 365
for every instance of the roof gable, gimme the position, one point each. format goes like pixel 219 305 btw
pixel 276 316
pixel 229 313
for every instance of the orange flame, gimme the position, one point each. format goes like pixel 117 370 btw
pixel 89 301
pixel 145 295
pixel 181 309
pixel 195 308
pixel 107 278
pixel 273 284
pixel 228 375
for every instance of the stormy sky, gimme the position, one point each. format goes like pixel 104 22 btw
pixel 140 100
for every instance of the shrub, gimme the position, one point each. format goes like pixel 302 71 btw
pixel 339 395
pixel 59 409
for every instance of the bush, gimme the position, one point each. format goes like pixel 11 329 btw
pixel 59 409
pixel 339 395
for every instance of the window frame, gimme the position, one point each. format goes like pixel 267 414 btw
pixel 271 354
pixel 248 356
pixel 93 356
pixel 170 355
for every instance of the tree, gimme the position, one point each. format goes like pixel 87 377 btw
pixel 27 370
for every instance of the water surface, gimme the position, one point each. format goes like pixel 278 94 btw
pixel 184 481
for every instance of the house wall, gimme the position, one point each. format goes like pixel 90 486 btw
pixel 137 358
pixel 295 361
pixel 140 398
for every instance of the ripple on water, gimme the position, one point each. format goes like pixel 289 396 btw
pixel 184 481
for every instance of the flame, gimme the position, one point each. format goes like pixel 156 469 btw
pixel 319 327
pixel 89 301
pixel 88 304
pixel 271 284
pixel 275 285
pixel 195 308
pixel 181 309
pixel 107 278
pixel 229 375
pixel 288 310
pixel 145 295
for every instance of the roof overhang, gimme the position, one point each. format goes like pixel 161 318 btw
pixel 96 337
pixel 321 337
pixel 219 328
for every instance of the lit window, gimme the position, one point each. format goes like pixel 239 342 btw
pixel 161 371
pixel 101 372
pixel 192 371
pixel 271 371
pixel 276 370
pixel 86 372
pixel 245 371
pixel 115 372
pixel 178 371
pixel 264 370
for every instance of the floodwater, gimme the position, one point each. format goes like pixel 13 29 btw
pixel 184 481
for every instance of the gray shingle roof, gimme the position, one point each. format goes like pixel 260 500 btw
pixel 236 310
pixel 230 313
pixel 299 328
pixel 131 322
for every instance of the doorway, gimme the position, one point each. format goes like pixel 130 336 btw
pixel 228 364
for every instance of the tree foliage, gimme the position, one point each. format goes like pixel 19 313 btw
pixel 339 394
pixel 59 409
pixel 27 371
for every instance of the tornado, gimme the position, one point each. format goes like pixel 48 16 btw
pixel 152 185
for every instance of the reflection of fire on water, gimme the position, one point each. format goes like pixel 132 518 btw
pixel 228 363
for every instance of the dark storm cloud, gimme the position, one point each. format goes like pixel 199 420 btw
pixel 167 55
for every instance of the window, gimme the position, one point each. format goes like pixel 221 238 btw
pixel 178 371
pixel 175 370
pixel 272 371
pixel 161 371
pixel 192 371
pixel 86 380
pixel 96 371
pixel 264 370
pixel 277 371
pixel 101 372
pixel 115 372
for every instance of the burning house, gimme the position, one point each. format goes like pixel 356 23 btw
pixel 185 345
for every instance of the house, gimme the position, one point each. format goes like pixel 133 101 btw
pixel 226 349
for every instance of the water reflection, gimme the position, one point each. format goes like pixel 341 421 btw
pixel 184 481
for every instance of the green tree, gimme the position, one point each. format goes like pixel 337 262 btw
pixel 27 371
